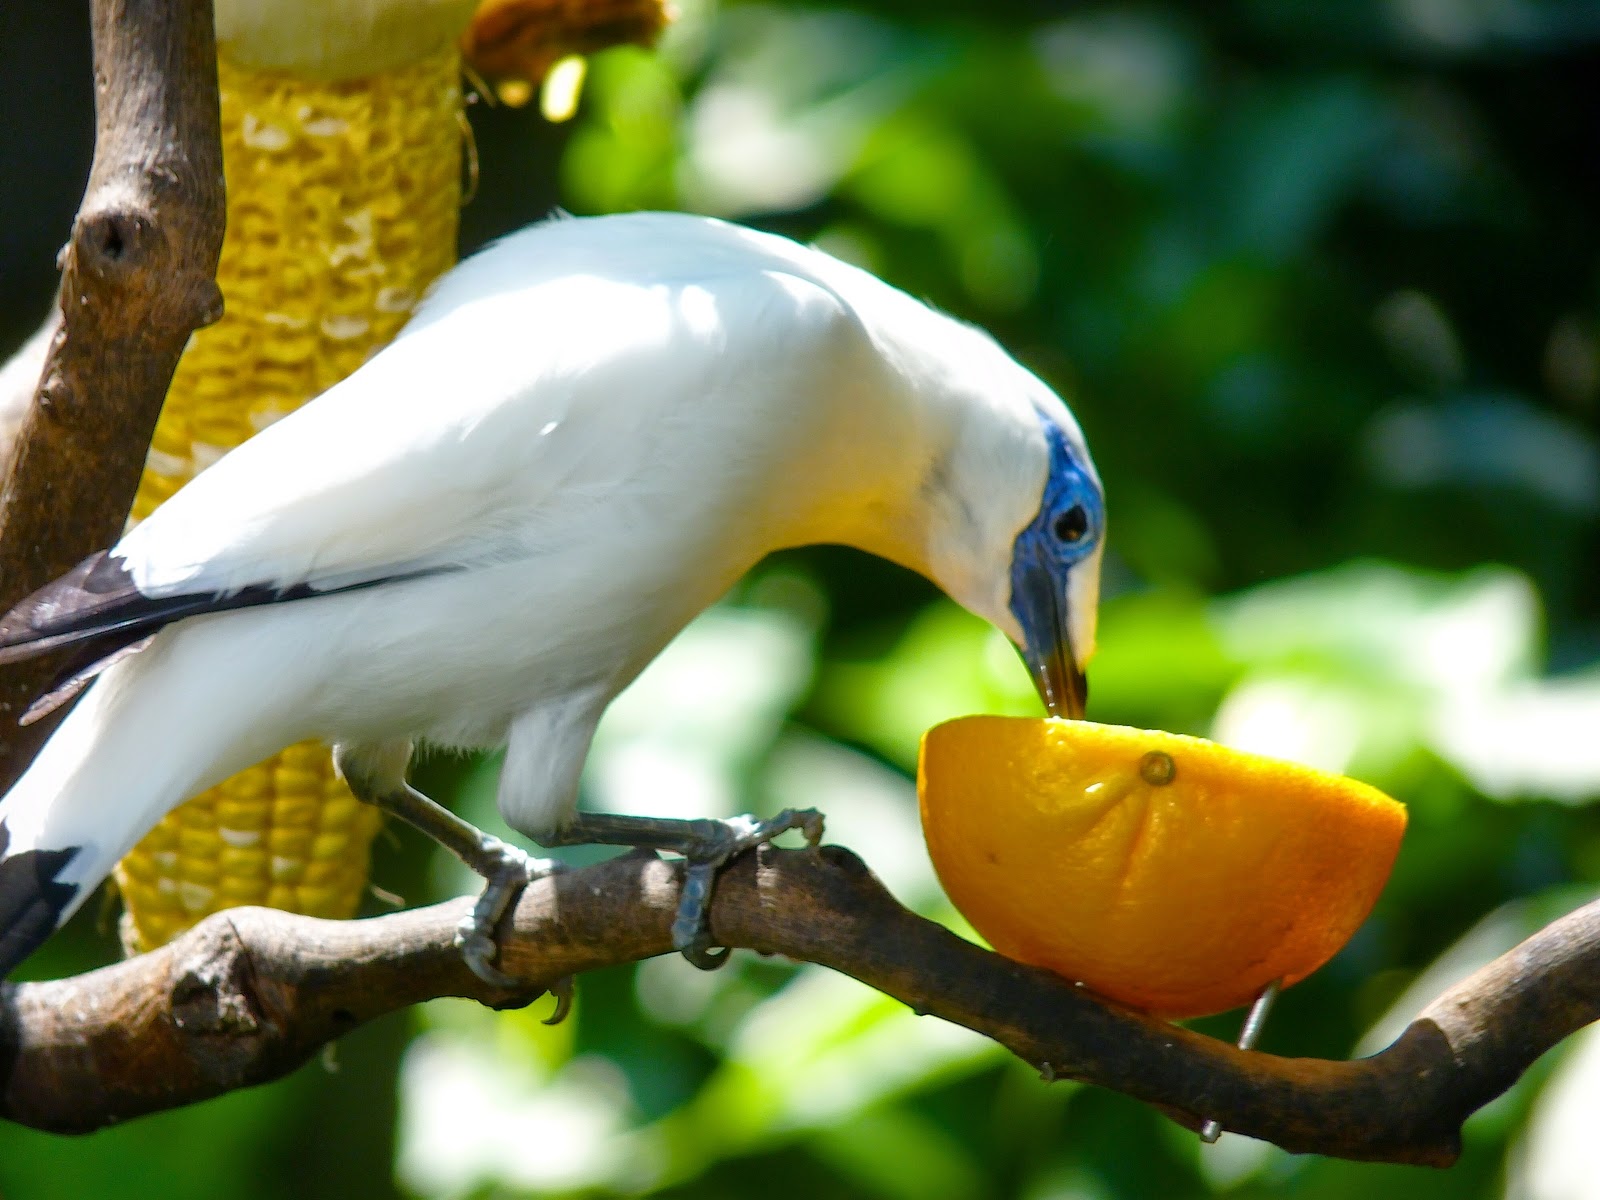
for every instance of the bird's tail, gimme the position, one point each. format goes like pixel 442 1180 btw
pixel 156 728
pixel 34 899
pixel 62 828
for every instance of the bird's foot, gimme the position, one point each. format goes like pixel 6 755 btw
pixel 507 871
pixel 707 847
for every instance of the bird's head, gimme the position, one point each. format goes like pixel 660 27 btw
pixel 1017 533
pixel 948 456
pixel 1055 574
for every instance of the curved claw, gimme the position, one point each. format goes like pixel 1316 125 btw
pixel 702 955
pixel 561 989
pixel 479 951
pixel 510 871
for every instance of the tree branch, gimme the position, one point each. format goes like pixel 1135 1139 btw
pixel 251 993
pixel 137 278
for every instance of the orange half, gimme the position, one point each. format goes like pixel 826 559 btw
pixel 1162 871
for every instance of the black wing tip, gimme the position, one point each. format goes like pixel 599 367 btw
pixel 98 602
pixel 66 608
pixel 32 899
pixel 104 574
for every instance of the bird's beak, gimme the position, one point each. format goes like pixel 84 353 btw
pixel 1042 610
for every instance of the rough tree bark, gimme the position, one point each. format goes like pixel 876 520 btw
pixel 137 278
pixel 251 993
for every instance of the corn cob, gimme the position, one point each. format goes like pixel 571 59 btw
pixel 342 206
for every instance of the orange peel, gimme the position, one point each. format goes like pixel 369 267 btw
pixel 1164 872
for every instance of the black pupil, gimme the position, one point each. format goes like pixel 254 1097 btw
pixel 1072 524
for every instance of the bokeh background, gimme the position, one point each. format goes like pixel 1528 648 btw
pixel 1320 280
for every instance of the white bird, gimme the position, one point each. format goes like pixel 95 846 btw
pixel 589 431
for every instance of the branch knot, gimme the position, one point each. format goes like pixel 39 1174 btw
pixel 213 1005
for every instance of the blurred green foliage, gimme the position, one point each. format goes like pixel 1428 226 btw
pixel 1319 280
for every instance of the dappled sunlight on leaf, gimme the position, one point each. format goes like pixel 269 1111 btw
pixel 1557 1156
pixel 1437 633
pixel 622 154
pixel 784 114
pixel 679 741
pixel 471 1118
pixel 1124 73
pixel 1533 739
pixel 870 808
pixel 1360 665
pixel 1303 720
pixel 817 1054
pixel 1487 441
pixel 1491 937
pixel 948 663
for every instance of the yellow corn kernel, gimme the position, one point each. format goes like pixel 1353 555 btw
pixel 342 205
pixel 242 865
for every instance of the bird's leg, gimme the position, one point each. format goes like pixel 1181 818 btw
pixel 707 845
pixel 506 869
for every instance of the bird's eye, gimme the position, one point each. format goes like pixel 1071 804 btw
pixel 1072 525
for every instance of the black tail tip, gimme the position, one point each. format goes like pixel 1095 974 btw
pixel 32 899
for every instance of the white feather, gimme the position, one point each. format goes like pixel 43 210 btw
pixel 601 423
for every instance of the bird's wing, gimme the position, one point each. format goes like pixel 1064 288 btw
pixel 494 432
pixel 433 455
pixel 405 468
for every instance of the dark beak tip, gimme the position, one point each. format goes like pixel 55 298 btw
pixel 1063 688
pixel 1074 704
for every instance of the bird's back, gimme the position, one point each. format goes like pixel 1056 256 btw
pixel 577 362
pixel 642 250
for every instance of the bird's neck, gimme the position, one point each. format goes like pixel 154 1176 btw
pixel 915 462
